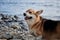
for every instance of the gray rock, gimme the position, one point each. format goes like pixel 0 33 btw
pixel 11 29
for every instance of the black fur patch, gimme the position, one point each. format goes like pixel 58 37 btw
pixel 50 26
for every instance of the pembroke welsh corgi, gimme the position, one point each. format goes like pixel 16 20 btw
pixel 34 21
pixel 49 29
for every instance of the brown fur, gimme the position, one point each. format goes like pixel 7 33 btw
pixel 55 35
pixel 36 27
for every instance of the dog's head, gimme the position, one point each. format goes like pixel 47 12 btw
pixel 32 15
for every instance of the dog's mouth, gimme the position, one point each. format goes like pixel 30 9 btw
pixel 26 18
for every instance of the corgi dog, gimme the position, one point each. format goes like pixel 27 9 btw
pixel 49 29
pixel 34 21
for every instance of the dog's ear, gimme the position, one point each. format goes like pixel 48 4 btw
pixel 39 12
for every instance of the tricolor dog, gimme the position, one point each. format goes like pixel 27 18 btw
pixel 49 29
pixel 34 21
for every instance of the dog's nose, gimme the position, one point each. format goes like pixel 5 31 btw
pixel 24 14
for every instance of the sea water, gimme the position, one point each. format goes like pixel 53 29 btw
pixel 51 8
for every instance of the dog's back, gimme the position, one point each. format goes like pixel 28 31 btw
pixel 51 30
pixel 50 25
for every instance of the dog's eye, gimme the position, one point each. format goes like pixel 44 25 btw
pixel 30 12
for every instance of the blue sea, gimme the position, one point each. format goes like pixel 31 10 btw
pixel 51 8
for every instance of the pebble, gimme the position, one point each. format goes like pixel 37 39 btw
pixel 14 30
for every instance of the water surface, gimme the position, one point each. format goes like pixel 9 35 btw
pixel 18 7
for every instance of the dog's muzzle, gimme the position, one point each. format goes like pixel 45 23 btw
pixel 26 17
